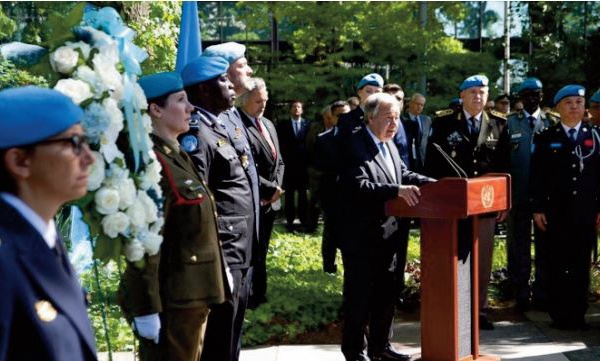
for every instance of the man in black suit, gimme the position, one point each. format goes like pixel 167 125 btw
pixel 213 152
pixel 265 149
pixel 292 133
pixel 375 174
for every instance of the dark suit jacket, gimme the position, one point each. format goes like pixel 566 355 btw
pixel 220 165
pixel 367 185
pixel 31 277
pixel 408 143
pixel 188 270
pixel 270 170
pixel 293 151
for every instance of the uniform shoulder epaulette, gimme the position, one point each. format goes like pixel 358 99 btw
pixel 443 113
pixel 497 114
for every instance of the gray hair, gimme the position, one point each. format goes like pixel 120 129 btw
pixel 415 96
pixel 375 100
pixel 254 84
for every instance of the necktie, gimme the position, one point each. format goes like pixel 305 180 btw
pixel 388 160
pixel 267 137
pixel 296 130
pixel 474 126
pixel 572 138
pixel 531 121
pixel 419 124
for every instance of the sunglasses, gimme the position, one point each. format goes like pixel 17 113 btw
pixel 77 142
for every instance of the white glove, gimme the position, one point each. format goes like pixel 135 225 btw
pixel 147 326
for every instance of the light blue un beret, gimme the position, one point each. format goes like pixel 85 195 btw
pixel 31 114
pixel 230 51
pixel 370 79
pixel 595 97
pixel 203 68
pixel 531 84
pixel 571 90
pixel 160 84
pixel 474 80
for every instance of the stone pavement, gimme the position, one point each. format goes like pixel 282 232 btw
pixel 529 339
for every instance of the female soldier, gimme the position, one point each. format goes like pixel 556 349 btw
pixel 168 299
pixel 44 162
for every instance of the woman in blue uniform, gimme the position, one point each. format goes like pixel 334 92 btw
pixel 44 163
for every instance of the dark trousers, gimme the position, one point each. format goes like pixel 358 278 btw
pixel 369 296
pixel 259 264
pixel 403 231
pixel 314 205
pixel 518 248
pixel 181 336
pixel 223 338
pixel 293 187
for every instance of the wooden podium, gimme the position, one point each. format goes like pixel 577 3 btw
pixel 449 270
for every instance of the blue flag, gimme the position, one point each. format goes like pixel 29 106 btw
pixel 190 41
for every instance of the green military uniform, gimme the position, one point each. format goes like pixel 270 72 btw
pixel 187 274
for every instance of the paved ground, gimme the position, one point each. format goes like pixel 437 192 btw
pixel 531 339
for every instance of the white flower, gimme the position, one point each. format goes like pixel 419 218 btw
pixel 116 175
pixel 149 206
pixel 64 60
pixel 137 213
pixel 97 173
pixel 140 96
pixel 157 226
pixel 115 223
pixel 151 175
pixel 109 150
pixel 134 250
pixel 115 120
pixel 107 200
pixel 126 193
pixel 105 67
pixel 152 242
pixel 86 74
pixel 77 90
pixel 81 46
pixel 147 122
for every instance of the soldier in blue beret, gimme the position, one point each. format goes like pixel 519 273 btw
pixel 369 84
pixel 469 136
pixel 211 143
pixel 168 299
pixel 565 167
pixel 516 144
pixel 44 162
pixel 594 108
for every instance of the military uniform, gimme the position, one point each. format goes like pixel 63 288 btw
pixel 476 153
pixel 516 146
pixel 567 177
pixel 187 274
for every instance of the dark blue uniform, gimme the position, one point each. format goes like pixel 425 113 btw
pixel 567 176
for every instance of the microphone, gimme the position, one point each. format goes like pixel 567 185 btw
pixel 455 167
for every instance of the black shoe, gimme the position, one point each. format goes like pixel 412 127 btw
pixel 390 355
pixel 485 323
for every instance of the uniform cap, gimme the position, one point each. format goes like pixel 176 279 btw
pixel 202 69
pixel 595 97
pixel 31 114
pixel 474 80
pixel 371 79
pixel 230 51
pixel 160 84
pixel 455 101
pixel 571 90
pixel 531 84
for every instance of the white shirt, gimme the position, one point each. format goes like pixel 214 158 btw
pixel 566 129
pixel 46 230
pixel 388 157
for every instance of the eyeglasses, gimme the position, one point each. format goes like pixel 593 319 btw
pixel 77 142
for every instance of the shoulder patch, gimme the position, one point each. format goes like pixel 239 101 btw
pixel 189 143
pixel 444 112
pixel 498 114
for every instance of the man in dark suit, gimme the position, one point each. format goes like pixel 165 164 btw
pixel 265 149
pixel 44 162
pixel 209 145
pixel 415 116
pixel 375 174
pixel 292 133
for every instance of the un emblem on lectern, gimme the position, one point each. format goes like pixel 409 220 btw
pixel 487 196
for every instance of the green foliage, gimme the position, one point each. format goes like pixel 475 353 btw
pixel 11 76
pixel 301 296
pixel 7 25
pixel 59 26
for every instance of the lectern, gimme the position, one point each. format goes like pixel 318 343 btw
pixel 449 264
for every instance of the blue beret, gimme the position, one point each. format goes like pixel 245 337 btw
pixel 531 84
pixel 474 80
pixel 455 101
pixel 203 68
pixel 571 90
pixel 160 84
pixel 22 54
pixel 596 97
pixel 31 114
pixel 371 79
pixel 229 51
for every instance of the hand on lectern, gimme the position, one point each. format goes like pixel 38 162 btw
pixel 540 220
pixel 410 194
